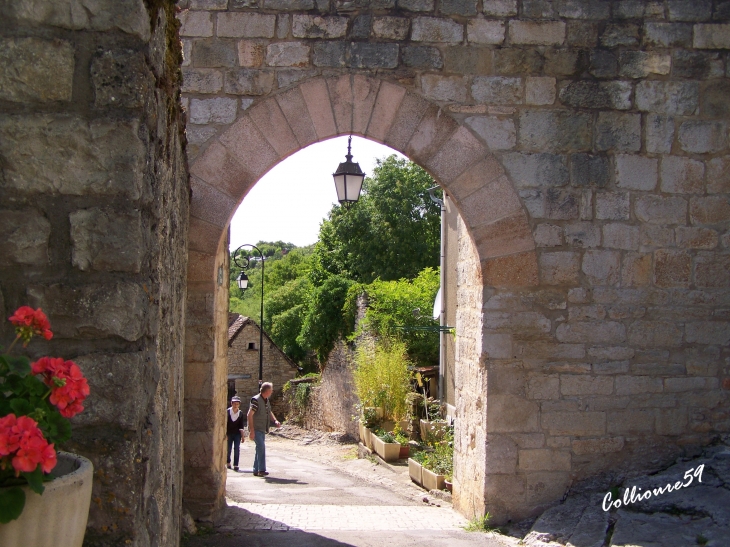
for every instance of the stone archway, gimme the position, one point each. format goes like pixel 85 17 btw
pixel 500 251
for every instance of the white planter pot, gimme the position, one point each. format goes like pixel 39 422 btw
pixel 433 430
pixel 414 470
pixel 388 451
pixel 432 481
pixel 58 517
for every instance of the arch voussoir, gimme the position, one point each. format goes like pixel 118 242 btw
pixel 317 98
pixel 209 203
pixel 295 110
pixel 364 94
pixel 203 236
pixel 274 126
pixel 409 115
pixel 432 131
pixel 459 152
pixel 506 236
pixel 220 168
pixel 250 148
pixel 386 107
pixel 340 92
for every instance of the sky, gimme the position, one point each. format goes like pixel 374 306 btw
pixel 290 201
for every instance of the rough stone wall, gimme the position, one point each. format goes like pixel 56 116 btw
pixel 585 145
pixel 277 368
pixel 332 402
pixel 94 194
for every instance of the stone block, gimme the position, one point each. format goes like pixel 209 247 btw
pixel 433 29
pixel 589 170
pixel 289 5
pixel 197 24
pixel 709 210
pixel 36 70
pixel 559 268
pixel 563 62
pixel 72 156
pixel 697 65
pixel 295 54
pixel 583 424
pixel 716 100
pixel 672 268
pixel 201 80
pixel 671 421
pixel 555 130
pixel 694 383
pixel 618 131
pixel 696 238
pixel 661 210
pixel 539 90
pixel 482 31
pixel 620 34
pixel 701 10
pixel 707 332
pixel 514 414
pixel 549 33
pixel 422 57
pixel 499 8
pixel 465 8
pixel 659 133
pixel 218 110
pixel 543 459
pixel 444 88
pixel 93 311
pixel 604 445
pixel 680 175
pixel 667 34
pixel 621 236
pixel 712 270
pixel 603 64
pixel 214 53
pixel 391 28
pixel 517 270
pixel 640 64
pixel 591 94
pixel 467 60
pixel 361 27
pixel 535 170
pixel 583 9
pixel 548 235
pixel 701 137
pixel 329 54
pixel 544 387
pixel 251 53
pixel 612 206
pixel 498 133
pixel 245 25
pixel 539 9
pixel 636 270
pixel 630 421
pixel 638 385
pixel 655 334
pixel 314 26
pixel 213 5
pixel 517 62
pixel 602 267
pixel 106 240
pixel 583 234
pixel 497 90
pixel 581 384
pixel 24 237
pixel 667 97
pixel 367 55
pixel 245 81
pixel 583 34
pixel 416 5
pixel 635 172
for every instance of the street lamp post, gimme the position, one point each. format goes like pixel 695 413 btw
pixel 242 281
pixel 348 179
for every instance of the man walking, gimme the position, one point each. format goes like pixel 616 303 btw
pixel 234 431
pixel 259 416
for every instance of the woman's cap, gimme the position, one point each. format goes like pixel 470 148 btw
pixel 235 399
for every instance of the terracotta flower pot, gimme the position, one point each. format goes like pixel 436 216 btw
pixel 58 517
pixel 405 451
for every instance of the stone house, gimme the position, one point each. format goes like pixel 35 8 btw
pixel 243 362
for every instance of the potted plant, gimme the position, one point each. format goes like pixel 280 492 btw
pixel 433 427
pixel 386 446
pixel 368 423
pixel 439 464
pixel 415 467
pixel 36 401
pixel 402 440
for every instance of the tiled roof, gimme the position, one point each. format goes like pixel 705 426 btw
pixel 236 322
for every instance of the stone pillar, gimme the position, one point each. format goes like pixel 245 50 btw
pixel 94 193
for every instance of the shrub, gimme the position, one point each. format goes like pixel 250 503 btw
pixel 382 378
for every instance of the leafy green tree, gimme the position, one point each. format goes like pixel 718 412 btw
pixel 392 232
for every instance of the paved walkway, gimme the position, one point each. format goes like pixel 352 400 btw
pixel 327 498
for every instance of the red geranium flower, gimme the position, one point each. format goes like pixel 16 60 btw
pixel 22 440
pixel 28 322
pixel 68 386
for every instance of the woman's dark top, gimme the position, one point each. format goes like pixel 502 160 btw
pixel 233 427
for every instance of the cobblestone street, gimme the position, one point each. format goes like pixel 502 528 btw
pixel 323 495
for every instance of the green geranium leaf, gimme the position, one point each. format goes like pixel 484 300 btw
pixel 12 501
pixel 59 428
pixel 19 365
pixel 35 480
pixel 21 407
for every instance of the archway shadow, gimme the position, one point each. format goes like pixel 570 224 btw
pixel 237 527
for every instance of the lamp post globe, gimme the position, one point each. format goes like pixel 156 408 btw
pixel 242 281
pixel 348 179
